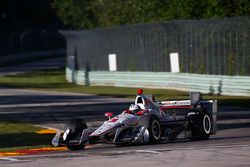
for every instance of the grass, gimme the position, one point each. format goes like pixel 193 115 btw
pixel 15 136
pixel 55 80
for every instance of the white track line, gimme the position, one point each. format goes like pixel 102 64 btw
pixel 11 159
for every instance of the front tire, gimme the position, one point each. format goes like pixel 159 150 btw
pixel 76 147
pixel 153 128
pixel 73 132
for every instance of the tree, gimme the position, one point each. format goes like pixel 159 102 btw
pixel 75 13
pixel 228 8
pixel 105 13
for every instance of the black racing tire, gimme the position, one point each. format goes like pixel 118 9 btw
pixel 76 147
pixel 207 126
pixel 153 126
pixel 76 126
pixel 199 124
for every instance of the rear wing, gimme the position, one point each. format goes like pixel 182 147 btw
pixel 195 98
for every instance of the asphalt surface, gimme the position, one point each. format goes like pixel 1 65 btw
pixel 53 109
pixel 230 147
pixel 54 63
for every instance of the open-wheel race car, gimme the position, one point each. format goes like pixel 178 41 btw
pixel 146 121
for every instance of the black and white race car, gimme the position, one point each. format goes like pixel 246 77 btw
pixel 146 121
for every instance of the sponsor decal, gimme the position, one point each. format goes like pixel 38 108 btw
pixel 113 120
pixel 176 103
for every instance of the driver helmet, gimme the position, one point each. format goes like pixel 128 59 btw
pixel 134 108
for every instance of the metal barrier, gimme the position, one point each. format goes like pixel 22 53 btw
pixel 212 84
pixel 214 56
pixel 216 46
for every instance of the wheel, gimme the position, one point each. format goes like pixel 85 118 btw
pixel 207 126
pixel 73 131
pixel 76 147
pixel 199 124
pixel 153 128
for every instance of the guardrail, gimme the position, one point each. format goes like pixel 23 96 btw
pixel 212 84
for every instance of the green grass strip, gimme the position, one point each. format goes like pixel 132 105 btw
pixel 16 135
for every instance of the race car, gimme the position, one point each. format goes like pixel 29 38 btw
pixel 146 121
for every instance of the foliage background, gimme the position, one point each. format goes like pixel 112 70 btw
pixel 84 14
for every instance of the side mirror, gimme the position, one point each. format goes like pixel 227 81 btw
pixel 108 114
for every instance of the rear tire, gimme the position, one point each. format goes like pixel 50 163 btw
pixel 199 124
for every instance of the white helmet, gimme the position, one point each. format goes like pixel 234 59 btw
pixel 134 108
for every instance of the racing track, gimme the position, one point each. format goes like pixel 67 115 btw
pixel 230 147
